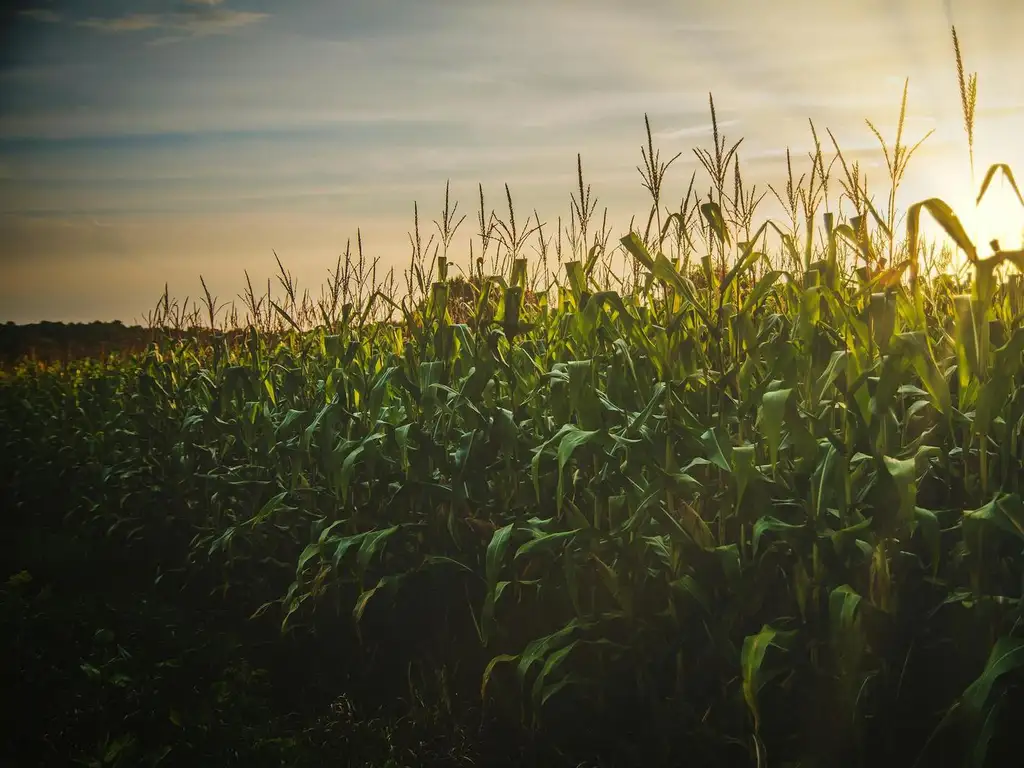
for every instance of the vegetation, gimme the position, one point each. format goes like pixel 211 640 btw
pixel 52 342
pixel 700 499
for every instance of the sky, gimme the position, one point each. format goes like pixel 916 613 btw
pixel 153 141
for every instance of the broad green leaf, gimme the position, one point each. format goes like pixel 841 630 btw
pixel 666 271
pixel 752 658
pixel 744 469
pixel 843 604
pixel 945 217
pixel 371 545
pixel 687 585
pixel 713 450
pixel 268 509
pixel 387 584
pixel 641 419
pixel 1007 657
pixel 882 316
pixel 542 647
pixel 551 665
pixel 545 543
pixel 572 440
pixel 1004 513
pixel 311 551
pixel 836 366
pixel 904 475
pixel 502 658
pixel 914 348
pixel 713 214
pixel 769 524
pixel 496 550
pixel 566 447
pixel 638 251
pixel 771 417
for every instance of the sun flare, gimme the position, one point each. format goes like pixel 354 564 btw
pixel 998 217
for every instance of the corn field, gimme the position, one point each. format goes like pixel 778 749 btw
pixel 707 493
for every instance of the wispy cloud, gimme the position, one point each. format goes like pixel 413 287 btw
pixel 134 22
pixel 43 15
pixel 694 130
pixel 192 18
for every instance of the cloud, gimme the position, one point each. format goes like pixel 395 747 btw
pixel 134 22
pixel 193 18
pixel 43 15
pixel 694 130
pixel 208 17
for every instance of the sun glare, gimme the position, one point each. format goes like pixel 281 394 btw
pixel 999 216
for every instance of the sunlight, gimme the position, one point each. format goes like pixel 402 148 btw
pixel 1000 216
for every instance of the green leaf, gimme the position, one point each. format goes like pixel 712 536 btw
pixel 572 440
pixel 268 509
pixel 311 551
pixel 687 585
pixel 496 550
pixel 768 524
pixel 551 664
pixel 610 578
pixel 543 646
pixel 1004 513
pixel 979 751
pixel 641 419
pixel 713 214
pixel 914 347
pixel 944 215
pixel 771 417
pixel 634 245
pixel 764 285
pixel 993 394
pixel 577 279
pixel 843 603
pixel 1007 656
pixel 836 365
pixel 843 539
pixel 713 451
pixel 371 544
pixel 343 545
pixel 744 469
pixel 882 317
pixel 752 658
pixel 502 658
pixel 904 475
pixel 387 583
pixel 545 543
pixel 666 271
pixel 566 447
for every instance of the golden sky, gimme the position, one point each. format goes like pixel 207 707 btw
pixel 145 141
